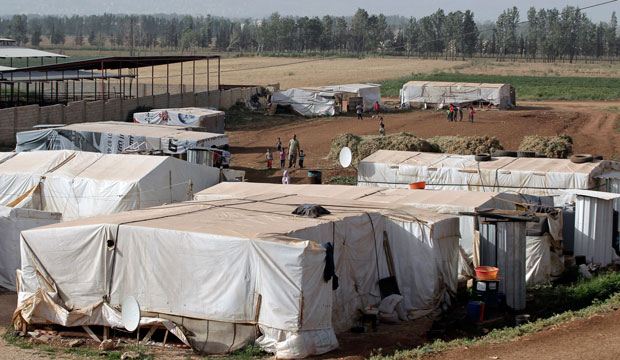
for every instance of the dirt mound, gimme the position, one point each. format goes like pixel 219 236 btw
pixel 363 146
pixel 466 145
pixel 560 146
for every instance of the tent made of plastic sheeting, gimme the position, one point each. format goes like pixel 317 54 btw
pixel 175 258
pixel 371 93
pixel 594 231
pixel 535 176
pixel 306 102
pixel 112 137
pixel 82 184
pixel 209 119
pixel 429 92
pixel 542 263
pixel 12 222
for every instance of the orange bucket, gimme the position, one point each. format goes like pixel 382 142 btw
pixel 486 272
pixel 417 185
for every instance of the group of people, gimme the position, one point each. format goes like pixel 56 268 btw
pixel 457 111
pixel 293 151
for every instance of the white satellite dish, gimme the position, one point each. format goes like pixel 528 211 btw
pixel 345 157
pixel 130 316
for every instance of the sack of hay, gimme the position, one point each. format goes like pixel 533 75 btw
pixel 560 146
pixel 466 145
pixel 365 145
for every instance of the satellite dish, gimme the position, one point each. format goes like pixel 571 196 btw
pixel 130 316
pixel 345 157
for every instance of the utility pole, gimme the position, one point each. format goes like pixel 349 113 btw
pixel 131 52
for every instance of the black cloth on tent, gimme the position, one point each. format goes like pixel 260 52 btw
pixel 311 210
pixel 330 266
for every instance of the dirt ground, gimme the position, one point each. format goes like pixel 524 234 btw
pixel 592 338
pixel 591 124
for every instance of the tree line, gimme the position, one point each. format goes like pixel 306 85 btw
pixel 544 34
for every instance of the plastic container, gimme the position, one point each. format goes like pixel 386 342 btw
pixel 486 272
pixel 417 185
pixel 475 311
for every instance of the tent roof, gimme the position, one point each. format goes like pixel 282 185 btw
pixel 454 199
pixel 594 194
pixel 258 216
pixel 109 167
pixel 12 51
pixel 467 162
pixel 452 84
pixel 147 130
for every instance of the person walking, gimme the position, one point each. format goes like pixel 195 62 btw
pixel 471 114
pixel 451 113
pixel 286 179
pixel 279 145
pixel 460 112
pixel 381 127
pixel 293 149
pixel 282 158
pixel 377 108
pixel 448 115
pixel 269 157
pixel 359 110
pixel 302 156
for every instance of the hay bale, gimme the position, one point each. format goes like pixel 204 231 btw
pixel 560 146
pixel 466 145
pixel 363 146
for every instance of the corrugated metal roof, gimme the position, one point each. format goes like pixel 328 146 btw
pixel 22 52
pixel 16 76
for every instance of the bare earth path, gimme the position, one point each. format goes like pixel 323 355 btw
pixel 593 338
pixel 591 124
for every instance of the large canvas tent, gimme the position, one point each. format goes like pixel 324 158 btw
pixel 534 176
pixel 114 137
pixel 12 222
pixel 175 259
pixel 195 117
pixel 419 93
pixel 327 100
pixel 534 263
pixel 82 184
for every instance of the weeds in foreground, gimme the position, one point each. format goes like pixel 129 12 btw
pixel 559 299
pixel 342 180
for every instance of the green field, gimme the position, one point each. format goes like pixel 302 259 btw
pixel 527 87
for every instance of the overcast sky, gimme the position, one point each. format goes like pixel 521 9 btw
pixel 483 10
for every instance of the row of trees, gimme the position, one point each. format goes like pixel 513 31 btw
pixel 548 34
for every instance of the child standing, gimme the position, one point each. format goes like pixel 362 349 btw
pixel 301 159
pixel 381 127
pixel 471 114
pixel 278 145
pixel 282 157
pixel 269 157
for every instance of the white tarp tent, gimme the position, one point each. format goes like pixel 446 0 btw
pixel 12 222
pixel 534 176
pixel 307 102
pixel 370 92
pixel 81 184
pixel 174 260
pixel 429 92
pixel 542 264
pixel 114 137
pixel 210 119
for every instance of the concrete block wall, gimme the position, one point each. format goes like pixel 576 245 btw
pixel 7 126
pixel 23 118
pixel 75 112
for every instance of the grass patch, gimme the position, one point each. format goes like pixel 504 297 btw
pixel 526 87
pixel 250 351
pixel 343 180
pixel 562 303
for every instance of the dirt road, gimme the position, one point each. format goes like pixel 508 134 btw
pixel 593 126
pixel 593 338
